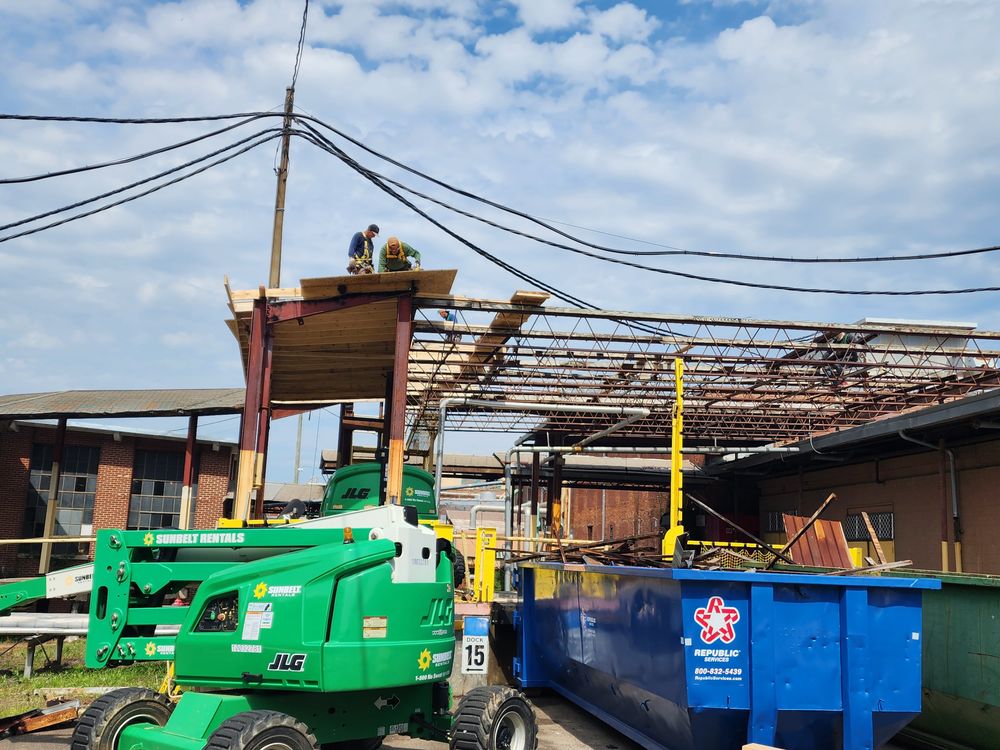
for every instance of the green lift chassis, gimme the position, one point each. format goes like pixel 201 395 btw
pixel 328 634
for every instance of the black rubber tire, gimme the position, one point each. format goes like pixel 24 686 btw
pixel 458 565
pixel 457 560
pixel 103 721
pixel 373 743
pixel 257 730
pixel 491 718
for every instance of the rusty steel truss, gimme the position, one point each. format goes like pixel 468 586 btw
pixel 747 382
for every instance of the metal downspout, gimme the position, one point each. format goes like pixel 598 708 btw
pixel 953 472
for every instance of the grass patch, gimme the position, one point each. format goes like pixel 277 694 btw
pixel 17 694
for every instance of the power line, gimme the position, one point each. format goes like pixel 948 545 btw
pixel 117 191
pixel 135 120
pixel 302 40
pixel 127 159
pixel 143 193
pixel 672 250
pixel 326 145
pixel 653 269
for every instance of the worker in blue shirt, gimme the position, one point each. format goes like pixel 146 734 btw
pixel 396 255
pixel 360 254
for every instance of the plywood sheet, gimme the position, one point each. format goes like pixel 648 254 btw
pixel 823 545
pixel 423 282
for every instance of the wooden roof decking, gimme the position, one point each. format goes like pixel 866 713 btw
pixel 338 356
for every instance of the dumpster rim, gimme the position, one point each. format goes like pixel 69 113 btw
pixel 733 576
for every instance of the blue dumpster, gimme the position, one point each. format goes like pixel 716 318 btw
pixel 709 660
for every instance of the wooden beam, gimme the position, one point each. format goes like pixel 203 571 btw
pixel 874 537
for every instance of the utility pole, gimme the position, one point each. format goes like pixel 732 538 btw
pixel 274 278
pixel 253 438
pixel 298 450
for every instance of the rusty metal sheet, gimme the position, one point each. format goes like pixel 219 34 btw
pixel 823 545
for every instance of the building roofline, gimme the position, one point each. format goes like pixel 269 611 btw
pixel 129 432
pixel 928 418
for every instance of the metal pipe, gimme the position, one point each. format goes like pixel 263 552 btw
pixel 488 507
pixel 473 485
pixel 953 472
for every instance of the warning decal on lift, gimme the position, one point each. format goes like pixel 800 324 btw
pixel 259 617
pixel 375 627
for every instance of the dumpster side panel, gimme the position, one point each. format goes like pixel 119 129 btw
pixel 611 643
pixel 686 659
pixel 961 661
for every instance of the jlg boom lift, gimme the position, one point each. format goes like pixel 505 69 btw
pixel 328 634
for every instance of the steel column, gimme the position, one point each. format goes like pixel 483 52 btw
pixel 263 424
pixel 251 409
pixel 187 489
pixel 51 505
pixel 397 417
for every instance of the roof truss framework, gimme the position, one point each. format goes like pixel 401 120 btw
pixel 747 381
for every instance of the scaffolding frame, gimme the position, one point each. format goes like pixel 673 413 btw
pixel 747 382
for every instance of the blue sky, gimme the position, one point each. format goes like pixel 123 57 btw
pixel 789 127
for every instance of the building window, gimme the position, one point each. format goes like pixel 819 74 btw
pixel 883 522
pixel 590 531
pixel 773 521
pixel 75 500
pixel 157 479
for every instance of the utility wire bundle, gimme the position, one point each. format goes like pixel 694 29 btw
pixel 310 129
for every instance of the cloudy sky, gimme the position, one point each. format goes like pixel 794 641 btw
pixel 790 128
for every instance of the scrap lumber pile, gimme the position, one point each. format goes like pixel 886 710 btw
pixel 53 715
pixel 640 550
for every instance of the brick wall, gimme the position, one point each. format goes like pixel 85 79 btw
pixel 15 455
pixel 627 511
pixel 213 484
pixel 114 484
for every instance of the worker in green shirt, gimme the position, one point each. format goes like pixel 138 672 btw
pixel 396 255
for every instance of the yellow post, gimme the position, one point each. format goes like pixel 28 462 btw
pixel 485 563
pixel 676 463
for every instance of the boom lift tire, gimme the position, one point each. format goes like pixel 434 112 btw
pixel 459 567
pixel 495 717
pixel 261 730
pixel 104 720
pixel 456 557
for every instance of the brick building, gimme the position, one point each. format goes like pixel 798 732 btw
pixel 110 479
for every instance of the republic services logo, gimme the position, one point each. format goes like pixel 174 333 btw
pixel 717 621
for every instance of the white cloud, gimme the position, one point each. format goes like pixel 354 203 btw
pixel 856 127
pixel 623 23
pixel 542 15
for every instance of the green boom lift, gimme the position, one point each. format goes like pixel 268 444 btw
pixel 328 634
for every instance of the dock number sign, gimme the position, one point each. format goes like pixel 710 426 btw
pixel 475 644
